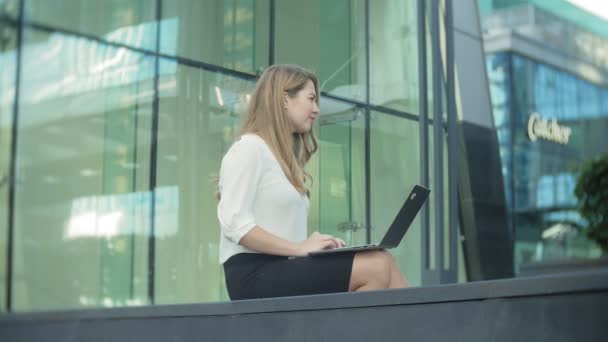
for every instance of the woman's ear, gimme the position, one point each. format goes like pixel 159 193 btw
pixel 285 101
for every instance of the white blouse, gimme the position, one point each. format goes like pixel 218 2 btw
pixel 255 191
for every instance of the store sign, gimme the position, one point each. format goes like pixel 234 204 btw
pixel 541 128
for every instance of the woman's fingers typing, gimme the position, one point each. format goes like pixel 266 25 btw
pixel 335 242
pixel 317 241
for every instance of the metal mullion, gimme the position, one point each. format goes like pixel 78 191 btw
pixel 452 145
pixel 423 130
pixel 272 29
pixel 209 67
pixel 368 219
pixel 178 59
pixel 437 137
pixel 12 177
pixel 153 162
pixel 372 107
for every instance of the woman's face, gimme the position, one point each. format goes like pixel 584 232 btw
pixel 302 109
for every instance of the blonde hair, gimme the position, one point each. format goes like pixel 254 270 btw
pixel 267 117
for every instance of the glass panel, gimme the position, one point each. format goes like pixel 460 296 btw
pixel 82 174
pixel 130 22
pixel 338 201
pixel 9 8
pixel 330 40
pixel 393 54
pixel 232 33
pixel 199 112
pixel 8 61
pixel 394 168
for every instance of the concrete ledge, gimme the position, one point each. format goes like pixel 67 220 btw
pixel 572 282
pixel 563 307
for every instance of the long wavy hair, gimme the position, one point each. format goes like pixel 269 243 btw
pixel 267 117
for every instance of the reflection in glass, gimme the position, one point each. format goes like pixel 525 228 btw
pixel 9 8
pixel 130 22
pixel 327 37
pixel 542 173
pixel 394 167
pixel 82 170
pixel 393 54
pixel 199 112
pixel 232 34
pixel 338 169
pixel 499 81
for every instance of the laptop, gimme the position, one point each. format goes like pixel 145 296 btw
pixel 398 228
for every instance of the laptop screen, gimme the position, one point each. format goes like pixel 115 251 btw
pixel 405 217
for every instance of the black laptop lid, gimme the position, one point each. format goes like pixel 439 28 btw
pixel 406 216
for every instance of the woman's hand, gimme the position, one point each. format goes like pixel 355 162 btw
pixel 260 240
pixel 317 241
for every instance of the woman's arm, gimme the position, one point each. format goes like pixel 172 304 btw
pixel 260 240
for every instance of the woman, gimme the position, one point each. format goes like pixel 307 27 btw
pixel 263 202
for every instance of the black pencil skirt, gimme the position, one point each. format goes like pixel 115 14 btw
pixel 253 275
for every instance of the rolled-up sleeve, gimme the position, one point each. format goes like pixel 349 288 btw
pixel 240 174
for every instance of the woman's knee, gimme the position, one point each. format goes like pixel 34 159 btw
pixel 391 258
pixel 372 267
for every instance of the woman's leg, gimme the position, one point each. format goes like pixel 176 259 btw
pixel 370 271
pixel 398 280
pixel 375 270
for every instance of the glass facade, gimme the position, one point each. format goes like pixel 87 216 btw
pixel 230 34
pixel 124 111
pixel 549 123
pixel 129 22
pixel 82 176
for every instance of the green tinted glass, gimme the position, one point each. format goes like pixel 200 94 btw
pixel 199 112
pixel 81 206
pixel 431 201
pixel 395 169
pixel 339 206
pixel 327 37
pixel 233 34
pixel 394 54
pixel 9 8
pixel 129 22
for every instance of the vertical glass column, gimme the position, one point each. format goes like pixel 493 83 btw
pixel 9 8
